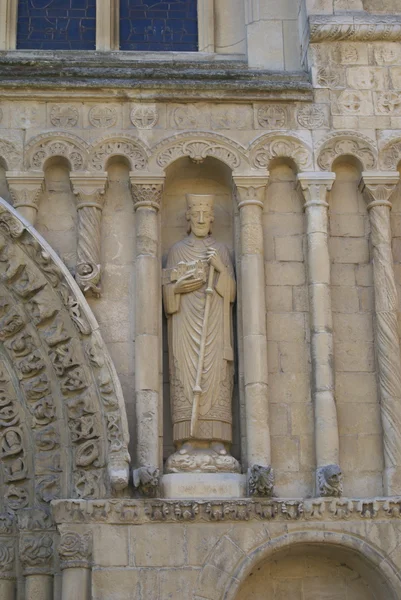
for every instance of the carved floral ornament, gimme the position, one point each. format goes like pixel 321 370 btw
pixel 198 147
pixel 67 413
pixel 10 155
pixel 130 148
pixel 62 144
pixel 346 144
pixel 268 148
pixel 390 155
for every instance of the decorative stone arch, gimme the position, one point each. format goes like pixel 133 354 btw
pixel 272 146
pixel 234 565
pixel 10 155
pixel 132 149
pixel 346 143
pixel 390 154
pixel 53 145
pixel 198 146
pixel 63 426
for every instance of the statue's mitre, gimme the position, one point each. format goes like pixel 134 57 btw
pixel 205 201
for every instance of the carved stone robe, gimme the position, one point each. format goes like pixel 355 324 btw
pixel 185 314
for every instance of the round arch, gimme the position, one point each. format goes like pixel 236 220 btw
pixel 368 555
pixel 42 148
pixel 272 146
pixel 346 143
pixel 198 146
pixel 111 147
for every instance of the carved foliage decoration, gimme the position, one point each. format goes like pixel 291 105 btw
pixel 390 156
pixel 346 143
pixel 10 154
pixel 198 148
pixel 63 430
pixel 267 148
pixel 62 144
pixel 130 148
pixel 75 550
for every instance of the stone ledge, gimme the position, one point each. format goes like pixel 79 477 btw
pixel 107 73
pixel 138 512
pixel 360 28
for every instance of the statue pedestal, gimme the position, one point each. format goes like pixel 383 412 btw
pixel 203 485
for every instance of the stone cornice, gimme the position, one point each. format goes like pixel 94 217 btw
pixel 138 512
pixel 99 75
pixel 359 28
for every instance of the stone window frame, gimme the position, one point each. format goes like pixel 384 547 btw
pixel 107 25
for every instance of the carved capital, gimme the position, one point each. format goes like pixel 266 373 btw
pixel 25 188
pixel 315 186
pixel 260 481
pixel 89 188
pixel 36 554
pixel 251 190
pixel 147 191
pixel 146 481
pixel 329 481
pixel 7 558
pixel 378 187
pixel 75 550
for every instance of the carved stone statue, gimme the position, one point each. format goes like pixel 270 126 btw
pixel 199 289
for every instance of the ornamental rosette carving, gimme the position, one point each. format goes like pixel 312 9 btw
pixel 75 550
pixel 64 115
pixel 271 116
pixel 311 116
pixel 102 116
pixel 36 553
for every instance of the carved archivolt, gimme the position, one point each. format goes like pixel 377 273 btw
pixel 131 148
pixel 199 146
pixel 60 144
pixel 390 155
pixel 268 147
pixel 346 143
pixel 10 155
pixel 63 428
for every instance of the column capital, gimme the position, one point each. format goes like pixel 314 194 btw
pixel 89 188
pixel 75 550
pixel 251 189
pixel 377 187
pixel 7 558
pixel 25 187
pixel 315 185
pixel 147 191
pixel 36 553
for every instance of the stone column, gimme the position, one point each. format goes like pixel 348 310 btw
pixel 315 187
pixel 147 194
pixel 25 189
pixel 230 34
pixel 7 569
pixel 107 25
pixel 206 25
pixel 377 188
pixel 75 551
pixel 36 556
pixel 8 24
pixel 89 189
pixel 251 192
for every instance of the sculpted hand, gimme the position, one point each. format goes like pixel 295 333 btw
pixel 187 283
pixel 215 260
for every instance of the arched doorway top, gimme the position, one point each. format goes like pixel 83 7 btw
pixel 63 426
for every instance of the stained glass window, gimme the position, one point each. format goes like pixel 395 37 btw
pixel 56 24
pixel 157 25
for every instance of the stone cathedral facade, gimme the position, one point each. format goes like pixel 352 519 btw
pixel 200 299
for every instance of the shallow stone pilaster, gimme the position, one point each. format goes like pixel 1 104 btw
pixel 25 189
pixel 89 189
pixel 377 188
pixel 315 186
pixel 251 192
pixel 146 195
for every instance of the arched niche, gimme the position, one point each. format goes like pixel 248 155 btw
pixel 63 427
pixel 352 292
pixel 314 572
pixel 290 402
pixel 114 309
pixel 57 213
pixel 183 176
